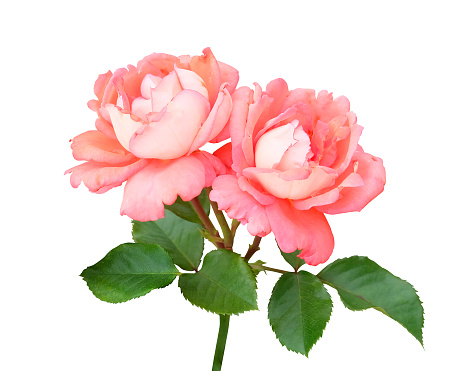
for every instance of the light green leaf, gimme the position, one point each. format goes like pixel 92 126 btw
pixel 362 284
pixel 180 238
pixel 299 310
pixel 185 210
pixel 129 271
pixel 224 285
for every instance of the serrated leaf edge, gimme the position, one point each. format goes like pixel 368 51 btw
pixel 273 327
pixel 250 271
pixel 379 309
pixel 170 239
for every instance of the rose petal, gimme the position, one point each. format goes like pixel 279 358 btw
pixel 123 125
pixel 167 89
pixel 318 200
pixel 240 205
pixel 100 177
pixel 272 145
pixel 207 68
pixel 149 82
pixel 345 149
pixel 255 111
pixel 306 230
pixel 272 182
pixel 190 80
pixel 158 64
pixel 213 166
pixel 372 171
pixel 238 117
pixel 225 154
pixel 173 135
pixel 263 198
pixel 298 153
pixel 93 145
pixel 229 75
pixel 105 128
pixel 215 122
pixel 159 183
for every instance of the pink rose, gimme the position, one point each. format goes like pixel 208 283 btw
pixel 152 120
pixel 295 156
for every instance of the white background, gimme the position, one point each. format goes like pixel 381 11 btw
pixel 403 66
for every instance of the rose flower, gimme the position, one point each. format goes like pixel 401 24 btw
pixel 295 156
pixel 152 120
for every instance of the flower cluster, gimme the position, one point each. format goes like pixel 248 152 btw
pixel 292 155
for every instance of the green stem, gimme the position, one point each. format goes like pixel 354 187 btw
pixel 226 232
pixel 263 267
pixel 206 221
pixel 235 224
pixel 221 340
pixel 252 248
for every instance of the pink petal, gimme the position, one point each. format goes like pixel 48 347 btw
pixel 105 128
pixel 306 230
pixel 347 179
pixel 262 197
pixel 318 200
pixel 337 107
pixel 163 93
pixel 346 148
pixel 99 90
pixel 225 154
pixel 159 183
pixel 190 80
pixel 240 104
pixel 123 125
pixel 215 122
pixel 372 172
pixel 100 177
pixel 163 63
pixel 273 183
pixel 213 166
pixel 298 153
pixel 229 75
pixel 255 111
pixel 272 145
pixel 93 145
pixel 149 82
pixel 240 205
pixel 207 68
pixel 173 135
pixel 278 90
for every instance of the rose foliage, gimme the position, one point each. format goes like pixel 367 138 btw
pixel 287 158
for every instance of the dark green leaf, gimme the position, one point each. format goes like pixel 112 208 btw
pixel 299 310
pixel 293 259
pixel 129 271
pixel 224 285
pixel 185 210
pixel 180 238
pixel 362 284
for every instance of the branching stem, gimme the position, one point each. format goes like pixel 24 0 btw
pixel 252 248
pixel 206 221
pixel 226 232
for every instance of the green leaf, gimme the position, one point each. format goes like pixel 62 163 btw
pixel 129 271
pixel 293 259
pixel 299 310
pixel 180 238
pixel 185 210
pixel 362 284
pixel 224 285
